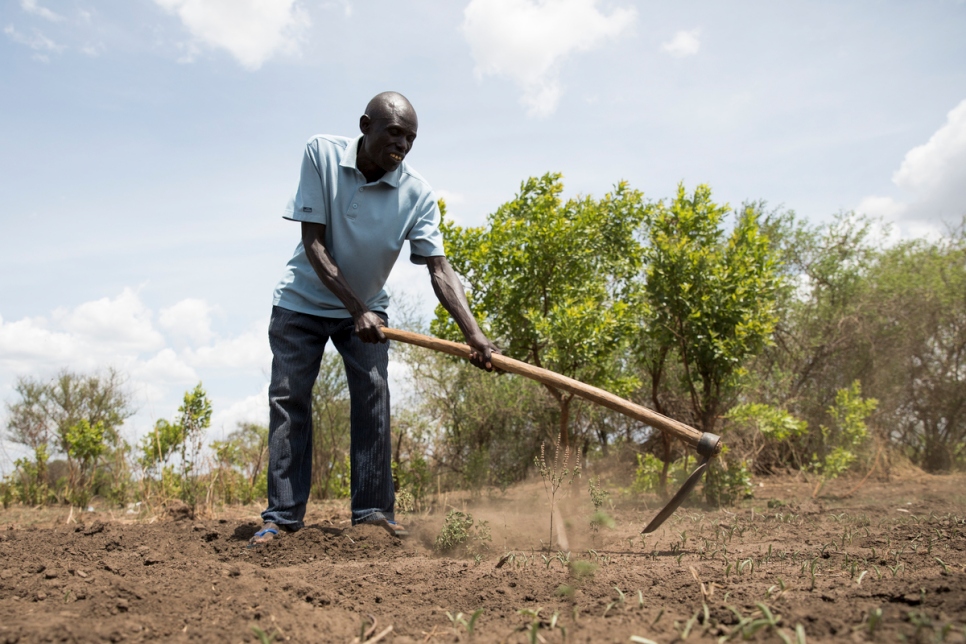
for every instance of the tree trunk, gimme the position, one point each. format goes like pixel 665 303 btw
pixel 662 481
pixel 565 421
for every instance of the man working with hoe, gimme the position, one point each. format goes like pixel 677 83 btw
pixel 357 201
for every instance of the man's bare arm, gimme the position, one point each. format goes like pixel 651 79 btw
pixel 367 323
pixel 449 291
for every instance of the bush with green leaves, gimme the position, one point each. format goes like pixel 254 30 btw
pixel 843 438
pixel 28 482
pixel 76 416
pixel 711 293
pixel 461 535
pixel 727 480
pixel 241 474
pixel 84 445
pixel 647 474
pixel 184 437
pixel 772 438
pixel 551 282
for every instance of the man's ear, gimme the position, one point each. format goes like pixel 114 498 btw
pixel 364 123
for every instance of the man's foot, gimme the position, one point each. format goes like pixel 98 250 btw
pixel 268 532
pixel 397 530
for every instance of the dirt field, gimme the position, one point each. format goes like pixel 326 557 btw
pixel 887 564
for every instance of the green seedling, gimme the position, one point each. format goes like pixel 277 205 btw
pixel 563 590
pixel 943 564
pixel 581 569
pixel 535 623
pixel 689 625
pixel 858 582
pixel 637 639
pixel 459 620
pixel 268 638
pixel 620 595
pixel 749 563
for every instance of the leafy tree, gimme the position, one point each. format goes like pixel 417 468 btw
pixel 553 282
pixel 820 340
pixel 85 445
pixel 242 463
pixel 711 297
pixel 29 479
pixel 773 435
pixel 844 435
pixel 184 437
pixel 74 414
pixel 917 335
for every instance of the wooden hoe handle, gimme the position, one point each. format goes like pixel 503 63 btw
pixel 688 434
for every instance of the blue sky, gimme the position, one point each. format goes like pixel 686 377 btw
pixel 147 147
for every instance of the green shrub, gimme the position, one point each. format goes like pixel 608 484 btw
pixel 647 476
pixel 727 481
pixel 460 534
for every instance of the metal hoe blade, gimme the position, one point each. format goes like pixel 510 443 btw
pixel 708 447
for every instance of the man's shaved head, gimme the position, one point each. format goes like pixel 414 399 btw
pixel 388 104
pixel 388 130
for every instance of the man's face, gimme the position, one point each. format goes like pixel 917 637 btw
pixel 388 138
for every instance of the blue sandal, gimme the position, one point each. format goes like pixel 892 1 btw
pixel 268 532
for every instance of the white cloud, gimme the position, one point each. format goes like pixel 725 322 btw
pixel 684 43
pixel 251 409
pixel 31 6
pixel 124 323
pixel 940 163
pixel 28 342
pixel 933 175
pixel 165 367
pixel 94 50
pixel 119 332
pixel 526 40
pixel 344 5
pixel 189 319
pixel 250 30
pixel 248 351
pixel 885 207
pixel 38 41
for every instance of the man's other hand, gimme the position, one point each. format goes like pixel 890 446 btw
pixel 368 327
pixel 482 351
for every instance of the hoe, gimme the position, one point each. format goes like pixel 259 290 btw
pixel 706 444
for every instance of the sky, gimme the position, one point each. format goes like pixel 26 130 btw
pixel 148 147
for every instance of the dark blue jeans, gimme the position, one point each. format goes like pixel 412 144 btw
pixel 297 341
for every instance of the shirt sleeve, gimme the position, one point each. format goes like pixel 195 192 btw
pixel 425 239
pixel 310 203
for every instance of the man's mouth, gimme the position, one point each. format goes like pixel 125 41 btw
pixel 395 157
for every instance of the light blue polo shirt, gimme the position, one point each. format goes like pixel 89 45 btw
pixel 365 226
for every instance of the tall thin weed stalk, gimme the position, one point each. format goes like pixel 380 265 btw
pixel 555 473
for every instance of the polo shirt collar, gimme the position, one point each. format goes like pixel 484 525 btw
pixel 350 157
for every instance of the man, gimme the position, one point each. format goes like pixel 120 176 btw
pixel 357 202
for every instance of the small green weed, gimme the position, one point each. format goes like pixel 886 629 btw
pixel 459 532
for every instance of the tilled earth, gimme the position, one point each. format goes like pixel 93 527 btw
pixel 887 564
